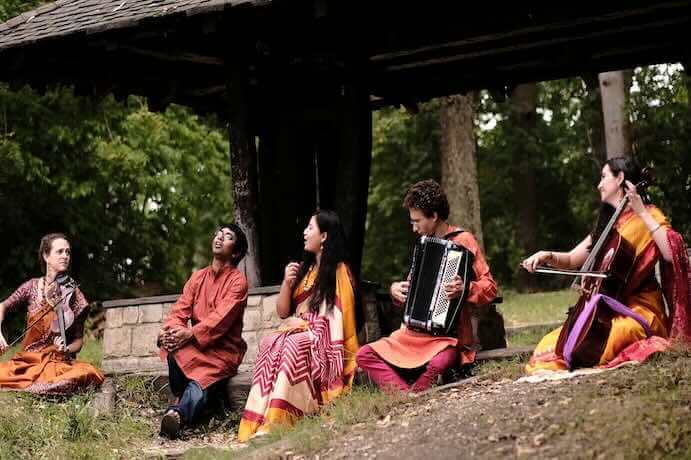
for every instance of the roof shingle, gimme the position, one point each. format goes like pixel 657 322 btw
pixel 65 17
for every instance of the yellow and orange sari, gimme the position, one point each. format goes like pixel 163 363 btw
pixel 40 368
pixel 308 362
pixel 643 294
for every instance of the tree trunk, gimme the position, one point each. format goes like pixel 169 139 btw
pixel 523 120
pixel 243 162
pixel 595 126
pixel 614 88
pixel 687 81
pixel 459 163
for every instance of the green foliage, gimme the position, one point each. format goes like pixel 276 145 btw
pixel 661 112
pixel 138 192
pixel 405 149
pixel 11 8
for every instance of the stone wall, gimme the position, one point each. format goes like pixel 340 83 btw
pixel 132 325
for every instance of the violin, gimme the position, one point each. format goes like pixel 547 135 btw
pixel 59 302
pixel 64 316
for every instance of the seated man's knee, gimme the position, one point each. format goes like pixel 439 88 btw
pixel 365 356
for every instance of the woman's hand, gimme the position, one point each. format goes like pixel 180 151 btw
pixel 3 344
pixel 539 258
pixel 60 345
pixel 635 200
pixel 454 288
pixel 399 291
pixel 291 273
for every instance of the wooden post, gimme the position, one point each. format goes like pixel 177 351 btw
pixel 353 168
pixel 243 160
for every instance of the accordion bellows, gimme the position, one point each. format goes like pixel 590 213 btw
pixel 436 261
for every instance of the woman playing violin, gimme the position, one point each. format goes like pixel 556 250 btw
pixel 648 232
pixel 45 364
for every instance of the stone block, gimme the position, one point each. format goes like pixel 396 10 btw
pixel 130 315
pixel 254 300
pixel 269 306
pixel 117 341
pixel 238 389
pixel 252 319
pixel 113 318
pixel 166 311
pixel 144 339
pixel 151 313
pixel 103 402
pixel 132 365
pixel 252 341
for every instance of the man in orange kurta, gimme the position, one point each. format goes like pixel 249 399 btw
pixel 202 337
pixel 409 353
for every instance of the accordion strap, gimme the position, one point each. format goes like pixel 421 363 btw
pixel 452 234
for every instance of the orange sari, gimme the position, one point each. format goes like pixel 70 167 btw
pixel 40 368
pixel 307 363
pixel 643 294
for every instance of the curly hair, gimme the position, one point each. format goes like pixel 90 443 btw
pixel 428 197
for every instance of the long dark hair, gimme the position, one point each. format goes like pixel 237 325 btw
pixel 632 173
pixel 333 253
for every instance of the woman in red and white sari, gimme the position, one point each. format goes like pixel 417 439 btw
pixel 310 360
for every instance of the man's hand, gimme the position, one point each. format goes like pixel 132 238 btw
pixel 175 337
pixel 454 288
pixel 399 291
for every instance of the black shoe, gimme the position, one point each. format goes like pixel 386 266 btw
pixel 171 424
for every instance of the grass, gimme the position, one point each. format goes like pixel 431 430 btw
pixel 32 427
pixel 364 404
pixel 542 307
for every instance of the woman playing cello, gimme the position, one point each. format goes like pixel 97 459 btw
pixel 646 230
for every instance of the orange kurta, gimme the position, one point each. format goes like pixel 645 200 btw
pixel 642 294
pixel 213 303
pixel 39 368
pixel 409 349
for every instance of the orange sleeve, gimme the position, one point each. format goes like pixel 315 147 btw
pixel 181 311
pixel 229 309
pixel 484 289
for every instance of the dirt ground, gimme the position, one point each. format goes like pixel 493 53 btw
pixel 633 412
pixel 641 411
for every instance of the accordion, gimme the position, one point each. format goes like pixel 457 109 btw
pixel 436 261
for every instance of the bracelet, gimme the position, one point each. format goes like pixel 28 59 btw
pixel 655 229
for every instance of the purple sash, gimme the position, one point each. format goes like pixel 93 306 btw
pixel 588 311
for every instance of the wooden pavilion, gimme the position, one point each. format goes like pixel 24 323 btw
pixel 297 80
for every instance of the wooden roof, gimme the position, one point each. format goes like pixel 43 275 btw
pixel 67 17
pixel 182 50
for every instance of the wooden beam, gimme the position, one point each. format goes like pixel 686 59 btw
pixel 516 34
pixel 175 57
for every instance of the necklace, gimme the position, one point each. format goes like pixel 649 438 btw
pixel 305 287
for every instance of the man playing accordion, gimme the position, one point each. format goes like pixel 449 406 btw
pixel 411 360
